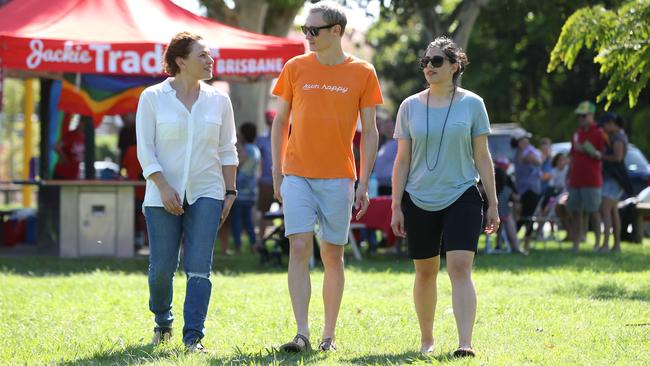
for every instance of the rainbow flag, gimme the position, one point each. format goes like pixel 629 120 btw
pixel 99 95
pixel 55 123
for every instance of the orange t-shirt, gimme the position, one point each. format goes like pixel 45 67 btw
pixel 325 103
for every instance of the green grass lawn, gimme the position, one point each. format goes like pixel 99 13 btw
pixel 552 307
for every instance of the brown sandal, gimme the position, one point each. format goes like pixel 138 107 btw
pixel 464 352
pixel 327 345
pixel 294 346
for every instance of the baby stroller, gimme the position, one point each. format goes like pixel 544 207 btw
pixel 275 245
pixel 545 217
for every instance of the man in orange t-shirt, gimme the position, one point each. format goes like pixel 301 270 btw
pixel 325 92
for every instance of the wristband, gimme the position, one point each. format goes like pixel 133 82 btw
pixel 231 192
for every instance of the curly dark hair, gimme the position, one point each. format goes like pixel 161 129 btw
pixel 248 131
pixel 180 46
pixel 454 53
pixel 556 159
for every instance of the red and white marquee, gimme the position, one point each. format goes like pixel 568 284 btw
pixel 126 37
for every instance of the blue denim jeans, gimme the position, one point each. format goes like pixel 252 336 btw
pixel 198 226
pixel 241 217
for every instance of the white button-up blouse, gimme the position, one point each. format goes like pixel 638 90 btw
pixel 188 147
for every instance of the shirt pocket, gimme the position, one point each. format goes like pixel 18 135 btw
pixel 209 128
pixel 459 128
pixel 168 127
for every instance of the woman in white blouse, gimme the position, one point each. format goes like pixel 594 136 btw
pixel 186 146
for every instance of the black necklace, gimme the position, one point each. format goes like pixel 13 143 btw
pixel 426 144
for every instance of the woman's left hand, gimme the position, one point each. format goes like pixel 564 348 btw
pixel 227 205
pixel 492 220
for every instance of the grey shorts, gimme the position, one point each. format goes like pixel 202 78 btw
pixel 585 199
pixel 611 188
pixel 328 202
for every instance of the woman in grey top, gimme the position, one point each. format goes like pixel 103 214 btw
pixel 615 180
pixel 442 150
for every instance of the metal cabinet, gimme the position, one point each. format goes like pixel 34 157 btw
pixel 96 220
pixel 97 223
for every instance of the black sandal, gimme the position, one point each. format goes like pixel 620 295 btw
pixel 294 346
pixel 327 345
pixel 464 352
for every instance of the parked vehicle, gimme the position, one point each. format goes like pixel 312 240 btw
pixel 499 140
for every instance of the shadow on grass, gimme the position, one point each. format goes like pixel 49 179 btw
pixel 633 259
pixel 269 356
pixel 604 291
pixel 128 355
pixel 43 266
pixel 139 354
pixel 146 354
pixel 273 357
pixel 405 358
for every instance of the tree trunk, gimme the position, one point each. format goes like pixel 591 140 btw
pixel 251 14
pixel 458 24
pixel 250 99
pixel 247 97
pixel 278 23
pixel 466 18
pixel 248 102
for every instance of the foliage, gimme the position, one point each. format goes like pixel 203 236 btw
pixel 621 40
pixel 106 147
pixel 402 33
pixel 509 51
pixel 275 10
pixel 398 47
pixel 11 128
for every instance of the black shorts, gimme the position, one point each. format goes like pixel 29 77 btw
pixel 458 225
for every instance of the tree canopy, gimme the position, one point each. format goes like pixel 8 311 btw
pixel 621 39
pixel 403 31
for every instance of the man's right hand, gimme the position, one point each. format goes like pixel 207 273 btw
pixel 277 183
pixel 171 200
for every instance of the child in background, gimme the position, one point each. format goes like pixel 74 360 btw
pixel 558 184
pixel 506 193
pixel 241 215
pixel 559 173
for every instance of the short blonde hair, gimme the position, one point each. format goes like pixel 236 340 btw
pixel 333 13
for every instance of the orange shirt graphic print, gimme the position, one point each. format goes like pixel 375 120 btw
pixel 325 87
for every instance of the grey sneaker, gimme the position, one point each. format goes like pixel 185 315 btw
pixel 327 345
pixel 196 347
pixel 161 335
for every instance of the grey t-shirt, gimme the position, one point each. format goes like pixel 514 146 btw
pixel 436 189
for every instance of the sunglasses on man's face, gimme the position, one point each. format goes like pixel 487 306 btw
pixel 436 61
pixel 582 116
pixel 314 31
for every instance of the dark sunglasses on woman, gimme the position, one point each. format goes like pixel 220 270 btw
pixel 436 61
pixel 314 31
